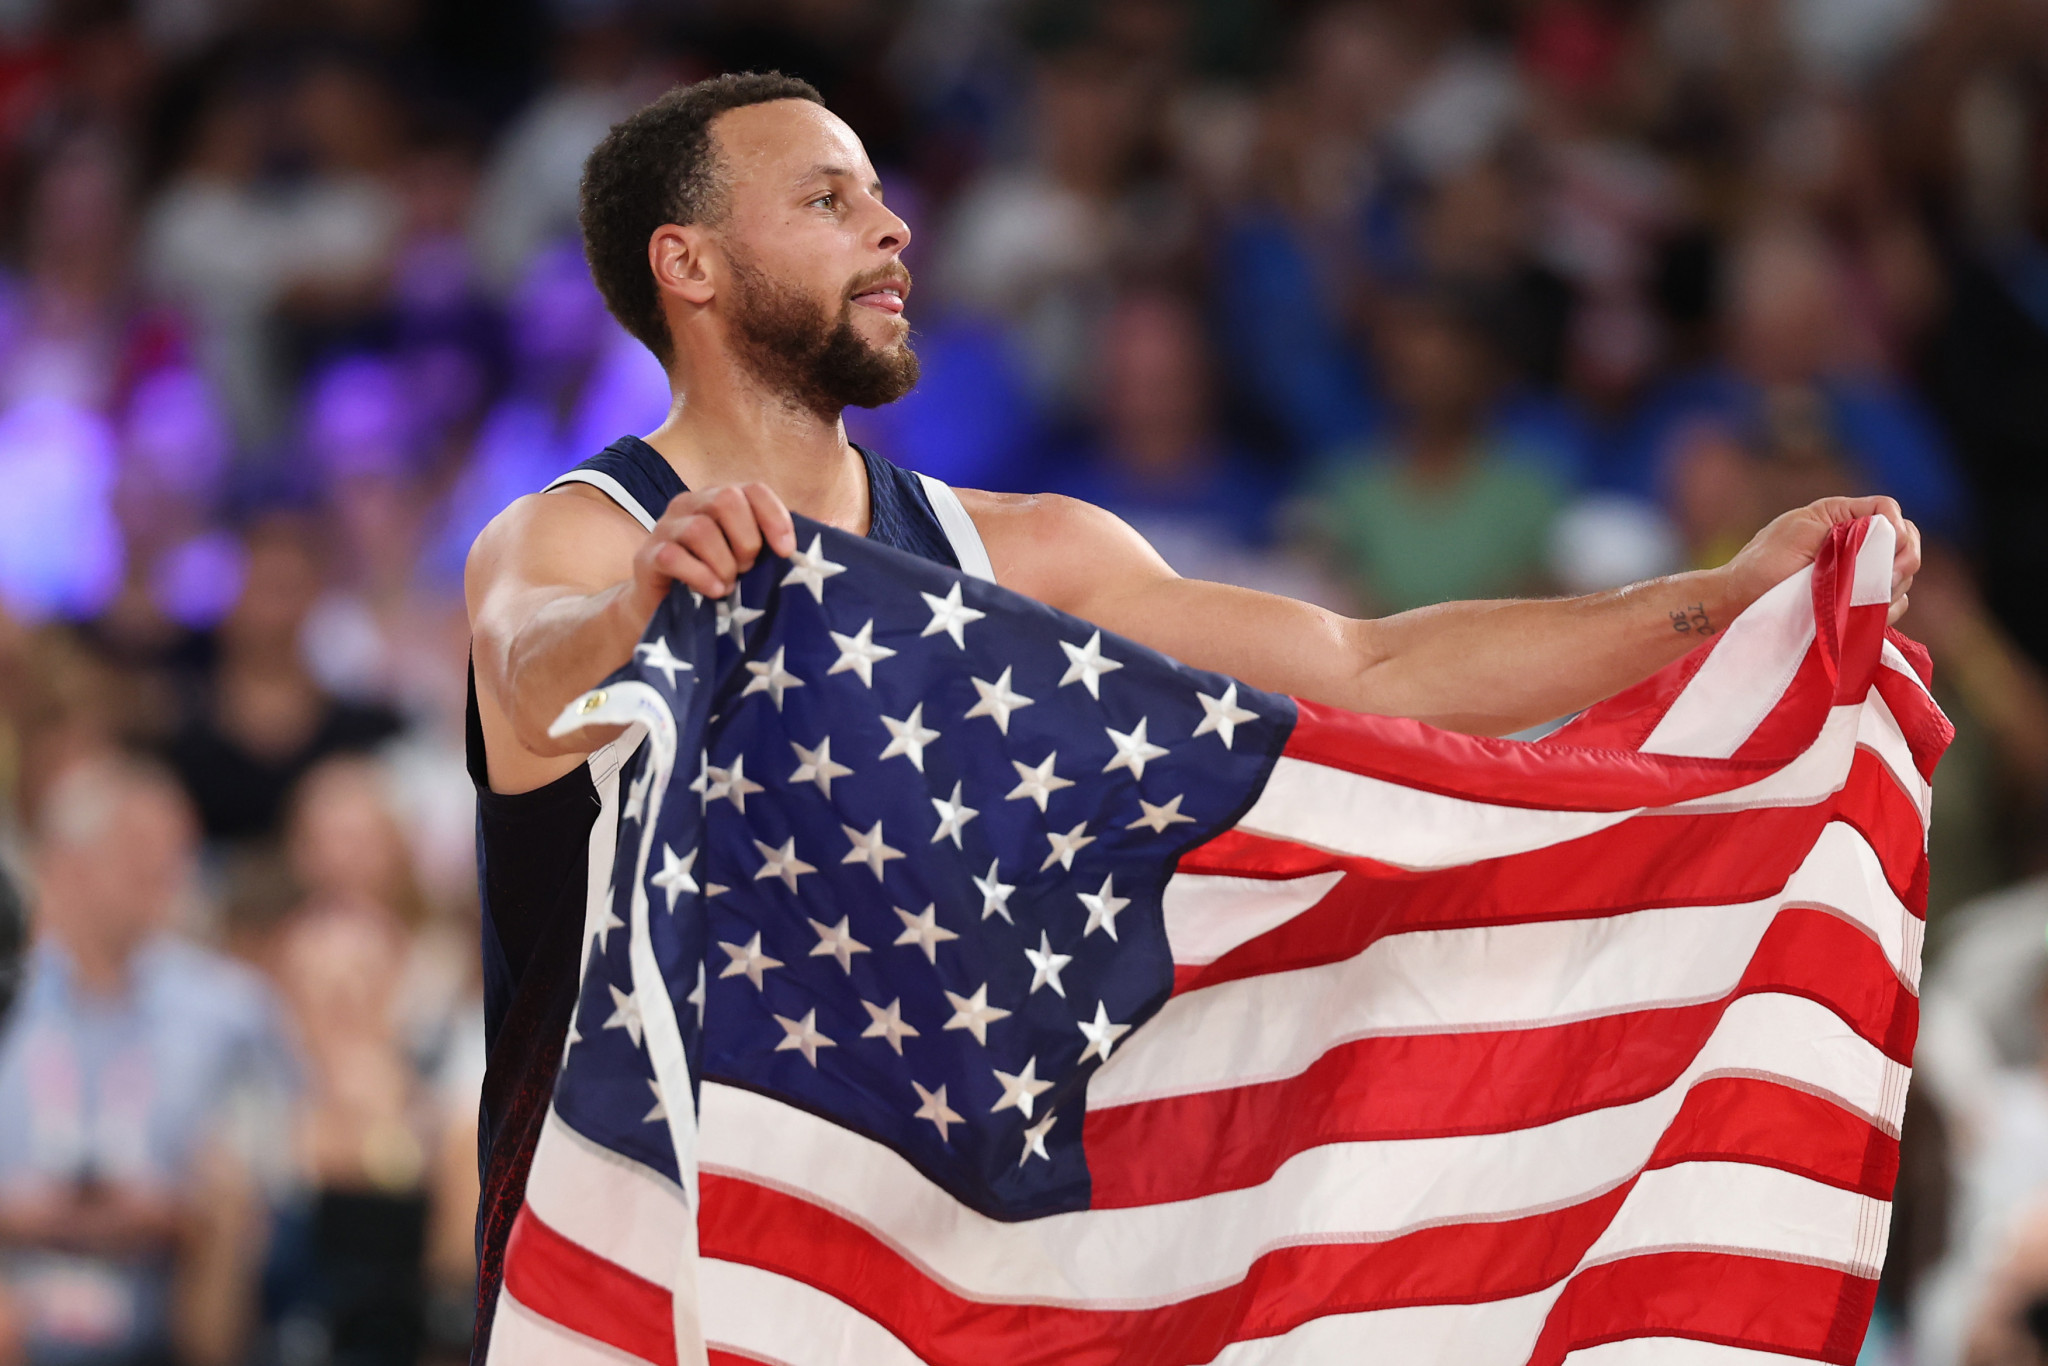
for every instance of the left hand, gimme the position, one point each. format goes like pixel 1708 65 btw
pixel 1791 541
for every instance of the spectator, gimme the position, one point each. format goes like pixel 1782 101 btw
pixel 264 719
pixel 1440 509
pixel 130 1227
pixel 1159 462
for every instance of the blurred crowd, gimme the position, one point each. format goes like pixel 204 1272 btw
pixel 1374 302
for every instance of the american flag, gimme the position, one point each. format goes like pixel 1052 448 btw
pixel 978 987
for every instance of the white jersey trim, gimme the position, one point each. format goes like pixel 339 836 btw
pixel 959 529
pixel 610 488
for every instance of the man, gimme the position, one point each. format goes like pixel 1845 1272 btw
pixel 737 228
pixel 128 1223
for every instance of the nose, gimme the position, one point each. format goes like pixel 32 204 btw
pixel 892 234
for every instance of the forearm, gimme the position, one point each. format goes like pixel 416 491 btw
pixel 555 654
pixel 1492 668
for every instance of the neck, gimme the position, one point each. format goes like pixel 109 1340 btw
pixel 725 429
pixel 99 967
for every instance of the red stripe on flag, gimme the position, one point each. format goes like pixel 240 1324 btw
pixel 1452 1264
pixel 1754 1302
pixel 1746 1119
pixel 1702 860
pixel 1491 1081
pixel 568 1284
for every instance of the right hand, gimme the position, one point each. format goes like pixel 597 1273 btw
pixel 706 540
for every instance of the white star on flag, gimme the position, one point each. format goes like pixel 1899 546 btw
pixel 1222 715
pixel 731 784
pixel 771 678
pixel 625 1013
pixel 953 814
pixel 1046 965
pixel 701 784
pixel 1038 783
pixel 908 737
pixel 1103 907
pixel 995 894
pixel 950 615
pixel 1034 1139
pixel 782 863
pixel 869 849
pixel 747 961
pixel 733 618
pixel 859 653
pixel 936 1110
pixel 674 877
pixel 1022 1090
pixel 660 1110
pixel 1133 751
pixel 817 766
pixel 836 941
pixel 810 569
pixel 974 1014
pixel 636 797
pixel 606 925
pixel 997 701
pixel 802 1036
pixel 1101 1034
pixel 924 930
pixel 696 996
pixel 1086 665
pixel 1064 847
pixel 888 1023
pixel 1157 818
pixel 658 656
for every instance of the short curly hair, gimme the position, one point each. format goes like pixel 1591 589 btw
pixel 658 166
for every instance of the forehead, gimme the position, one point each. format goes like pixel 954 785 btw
pixel 775 146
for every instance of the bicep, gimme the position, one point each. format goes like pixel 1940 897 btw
pixel 542 550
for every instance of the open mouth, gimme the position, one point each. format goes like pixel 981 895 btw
pixel 886 297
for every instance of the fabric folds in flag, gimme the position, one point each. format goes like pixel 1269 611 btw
pixel 975 986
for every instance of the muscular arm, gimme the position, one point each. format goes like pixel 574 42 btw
pixel 560 586
pixel 1487 668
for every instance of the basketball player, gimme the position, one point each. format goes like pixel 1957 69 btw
pixel 737 229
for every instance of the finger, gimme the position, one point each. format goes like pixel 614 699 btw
pixel 686 569
pixel 705 537
pixel 1898 610
pixel 734 515
pixel 772 517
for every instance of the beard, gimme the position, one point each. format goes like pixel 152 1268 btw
pixel 815 360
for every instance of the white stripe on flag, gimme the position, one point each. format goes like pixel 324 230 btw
pixel 1358 1192
pixel 1745 1208
pixel 1208 915
pixel 1674 1352
pixel 772 1318
pixel 1489 977
pixel 1496 1333
pixel 1744 678
pixel 624 1212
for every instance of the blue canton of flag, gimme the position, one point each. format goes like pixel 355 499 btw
pixel 904 869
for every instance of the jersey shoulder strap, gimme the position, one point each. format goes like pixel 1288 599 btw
pixel 632 474
pixel 959 528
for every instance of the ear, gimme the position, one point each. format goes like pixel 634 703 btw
pixel 685 261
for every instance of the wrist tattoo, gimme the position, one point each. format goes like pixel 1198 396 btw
pixel 1692 620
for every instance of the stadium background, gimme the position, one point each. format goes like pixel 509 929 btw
pixel 1374 303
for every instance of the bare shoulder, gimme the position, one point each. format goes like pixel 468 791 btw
pixel 573 536
pixel 1057 549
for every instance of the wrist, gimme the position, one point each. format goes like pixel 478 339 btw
pixel 1704 601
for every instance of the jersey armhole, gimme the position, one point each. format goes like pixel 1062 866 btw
pixel 959 529
pixel 610 488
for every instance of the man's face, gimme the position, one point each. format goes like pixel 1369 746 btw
pixel 816 289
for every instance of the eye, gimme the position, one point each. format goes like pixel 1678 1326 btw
pixel 828 199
